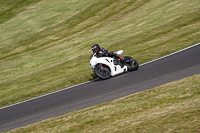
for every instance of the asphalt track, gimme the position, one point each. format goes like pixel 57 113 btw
pixel 174 67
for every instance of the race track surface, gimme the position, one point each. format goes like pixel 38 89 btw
pixel 174 67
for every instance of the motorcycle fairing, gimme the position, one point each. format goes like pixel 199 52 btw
pixel 108 61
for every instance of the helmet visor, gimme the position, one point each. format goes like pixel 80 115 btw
pixel 95 49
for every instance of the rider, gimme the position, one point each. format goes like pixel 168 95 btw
pixel 102 52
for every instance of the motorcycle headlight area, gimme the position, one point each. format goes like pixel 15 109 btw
pixel 91 66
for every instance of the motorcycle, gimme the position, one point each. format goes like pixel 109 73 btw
pixel 105 67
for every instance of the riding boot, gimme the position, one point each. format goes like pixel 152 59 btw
pixel 121 63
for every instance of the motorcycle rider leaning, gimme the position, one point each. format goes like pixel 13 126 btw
pixel 102 52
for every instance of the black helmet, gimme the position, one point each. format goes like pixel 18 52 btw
pixel 95 48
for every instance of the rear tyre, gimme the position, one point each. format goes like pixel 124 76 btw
pixel 102 72
pixel 131 63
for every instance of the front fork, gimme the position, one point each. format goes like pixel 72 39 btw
pixel 101 67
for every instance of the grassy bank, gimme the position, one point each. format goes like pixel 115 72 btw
pixel 45 44
pixel 173 107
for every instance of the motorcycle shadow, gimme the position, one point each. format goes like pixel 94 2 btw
pixel 96 79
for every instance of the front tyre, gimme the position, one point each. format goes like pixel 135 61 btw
pixel 102 72
pixel 131 63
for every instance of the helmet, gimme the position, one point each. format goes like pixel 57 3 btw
pixel 95 48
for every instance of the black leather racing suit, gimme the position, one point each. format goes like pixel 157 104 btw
pixel 104 52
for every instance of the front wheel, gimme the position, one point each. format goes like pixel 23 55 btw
pixel 131 63
pixel 102 72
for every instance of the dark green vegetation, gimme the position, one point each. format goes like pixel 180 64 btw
pixel 45 44
pixel 173 107
pixel 10 8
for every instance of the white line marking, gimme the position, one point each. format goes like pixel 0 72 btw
pixel 95 79
pixel 170 54
pixel 45 95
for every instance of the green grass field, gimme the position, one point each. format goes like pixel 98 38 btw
pixel 45 44
pixel 173 107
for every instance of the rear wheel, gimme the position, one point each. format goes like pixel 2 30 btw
pixel 102 72
pixel 131 63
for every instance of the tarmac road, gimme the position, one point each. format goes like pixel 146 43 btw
pixel 174 67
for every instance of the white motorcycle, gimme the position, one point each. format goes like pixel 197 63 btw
pixel 105 67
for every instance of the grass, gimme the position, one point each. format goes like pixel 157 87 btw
pixel 173 107
pixel 45 44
